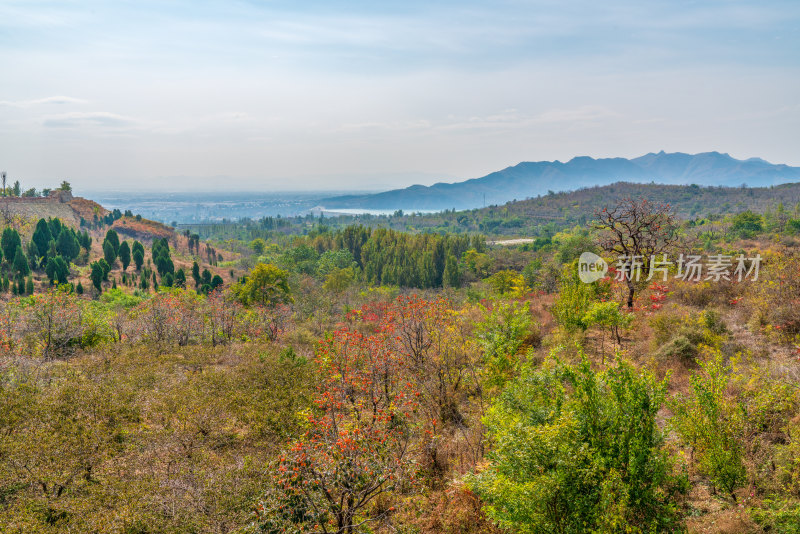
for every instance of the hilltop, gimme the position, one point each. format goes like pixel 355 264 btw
pixel 58 204
pixel 53 236
pixel 687 201
pixel 76 212
pixel 529 179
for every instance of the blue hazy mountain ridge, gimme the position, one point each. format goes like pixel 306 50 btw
pixel 530 179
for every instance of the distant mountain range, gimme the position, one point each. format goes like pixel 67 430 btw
pixel 531 179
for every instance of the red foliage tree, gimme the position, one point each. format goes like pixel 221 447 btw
pixel 357 446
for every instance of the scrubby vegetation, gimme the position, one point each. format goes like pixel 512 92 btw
pixel 295 376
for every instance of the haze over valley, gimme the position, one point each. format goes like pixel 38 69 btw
pixel 519 182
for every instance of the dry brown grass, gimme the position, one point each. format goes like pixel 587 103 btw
pixel 731 521
pixel 144 228
pixel 86 208
pixel 455 510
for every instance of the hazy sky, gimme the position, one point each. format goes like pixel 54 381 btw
pixel 332 94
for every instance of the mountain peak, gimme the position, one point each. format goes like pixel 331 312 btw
pixel 581 159
pixel 531 179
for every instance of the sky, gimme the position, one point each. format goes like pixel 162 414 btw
pixel 294 95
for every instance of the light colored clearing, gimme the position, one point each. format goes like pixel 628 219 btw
pixel 508 242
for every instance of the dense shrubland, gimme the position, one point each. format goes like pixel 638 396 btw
pixel 371 380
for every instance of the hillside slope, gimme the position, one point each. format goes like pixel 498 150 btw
pixel 529 179
pixel 65 207
pixel 519 218
pixel 23 212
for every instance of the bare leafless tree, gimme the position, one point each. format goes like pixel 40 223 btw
pixel 636 230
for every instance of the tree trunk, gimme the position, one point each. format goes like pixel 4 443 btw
pixel 631 291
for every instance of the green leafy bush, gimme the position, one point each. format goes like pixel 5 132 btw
pixel 579 451
pixel 505 331
pixel 712 422
pixel 682 338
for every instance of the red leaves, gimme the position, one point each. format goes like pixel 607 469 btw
pixel 365 409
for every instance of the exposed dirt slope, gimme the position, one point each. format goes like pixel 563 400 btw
pixel 70 211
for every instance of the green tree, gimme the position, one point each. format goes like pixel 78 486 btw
pixel 258 245
pixel 607 315
pixel 21 266
pixel 506 281
pixel 339 280
pixel 711 421
pixel 138 258
pixel 137 246
pixel 332 260
pixel 501 336
pixel 85 240
pixel 57 270
pixel 216 282
pixel 579 451
pixel 105 266
pixel 573 302
pixel 10 242
pixel 125 255
pixel 29 286
pixel 51 250
pixel 97 275
pixel 571 247
pixel 747 223
pixel 144 282
pixel 109 254
pixel 161 257
pixel 451 276
pixel 55 227
pixel 266 285
pixel 113 238
pixel 41 239
pixel 180 278
pixel 33 256
pixel 67 244
pixel 196 274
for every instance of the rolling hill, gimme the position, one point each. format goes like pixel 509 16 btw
pixel 531 179
pixel 522 218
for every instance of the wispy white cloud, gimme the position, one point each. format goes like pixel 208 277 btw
pixel 513 119
pixel 92 118
pixel 579 114
pixel 42 101
pixel 400 126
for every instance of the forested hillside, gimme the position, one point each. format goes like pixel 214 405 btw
pixel 544 215
pixel 318 378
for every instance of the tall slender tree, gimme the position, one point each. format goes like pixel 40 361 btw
pixel 125 255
